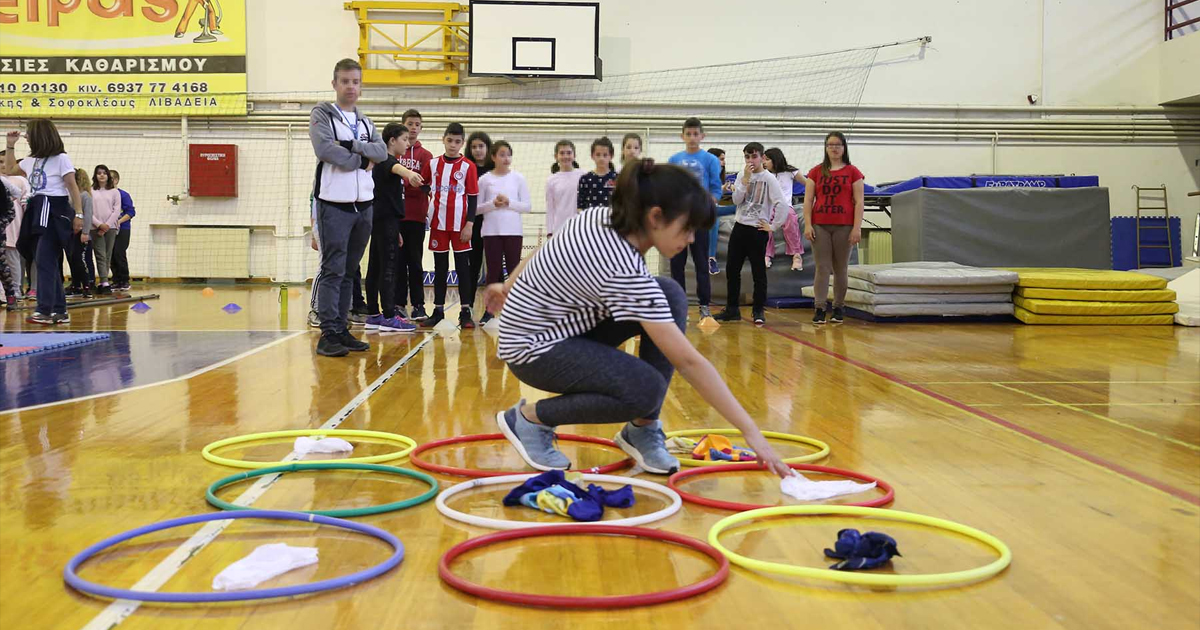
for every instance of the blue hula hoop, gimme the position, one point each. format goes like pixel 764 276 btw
pixel 100 590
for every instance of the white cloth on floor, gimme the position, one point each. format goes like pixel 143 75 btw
pixel 264 563
pixel 800 487
pixel 305 445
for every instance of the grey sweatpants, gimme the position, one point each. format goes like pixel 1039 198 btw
pixel 599 383
pixel 832 245
pixel 102 245
pixel 344 237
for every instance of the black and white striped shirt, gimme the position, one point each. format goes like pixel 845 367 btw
pixel 584 275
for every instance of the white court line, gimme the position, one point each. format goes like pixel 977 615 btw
pixel 121 609
pixel 185 377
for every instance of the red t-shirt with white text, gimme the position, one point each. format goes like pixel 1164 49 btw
pixel 833 195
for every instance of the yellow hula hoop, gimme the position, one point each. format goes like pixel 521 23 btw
pixel 408 443
pixel 869 579
pixel 823 448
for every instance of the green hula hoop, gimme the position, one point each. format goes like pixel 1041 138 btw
pixel 868 579
pixel 211 495
pixel 406 442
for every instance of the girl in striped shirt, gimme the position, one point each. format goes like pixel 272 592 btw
pixel 570 306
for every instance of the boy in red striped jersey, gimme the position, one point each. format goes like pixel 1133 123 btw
pixel 454 190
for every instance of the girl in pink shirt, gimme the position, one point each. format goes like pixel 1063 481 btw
pixel 562 187
pixel 106 211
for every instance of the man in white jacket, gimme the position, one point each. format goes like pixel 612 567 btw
pixel 347 147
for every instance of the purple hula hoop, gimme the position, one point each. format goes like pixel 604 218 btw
pixel 91 588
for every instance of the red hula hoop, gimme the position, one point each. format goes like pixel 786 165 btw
pixel 415 459
pixel 673 483
pixel 562 601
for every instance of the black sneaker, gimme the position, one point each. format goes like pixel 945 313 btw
pixel 418 313
pixel 464 319
pixel 435 319
pixel 40 318
pixel 401 312
pixel 61 318
pixel 487 317
pixel 819 317
pixel 352 343
pixel 104 289
pixel 330 345
pixel 728 315
pixel 837 316
pixel 759 318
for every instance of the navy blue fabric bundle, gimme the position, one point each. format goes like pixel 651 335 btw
pixel 588 505
pixel 862 551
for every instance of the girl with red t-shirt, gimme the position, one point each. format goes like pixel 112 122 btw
pixel 833 212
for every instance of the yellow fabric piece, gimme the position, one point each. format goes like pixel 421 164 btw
pixel 550 503
pixel 1095 320
pixel 1049 278
pixel 721 444
pixel 1072 307
pixel 1099 295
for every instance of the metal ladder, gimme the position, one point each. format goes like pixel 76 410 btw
pixel 1143 194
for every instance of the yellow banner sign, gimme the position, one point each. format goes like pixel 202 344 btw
pixel 103 58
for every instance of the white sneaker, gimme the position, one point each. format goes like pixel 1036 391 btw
pixel 797 263
pixel 768 262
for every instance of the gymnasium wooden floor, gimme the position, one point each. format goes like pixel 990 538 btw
pixel 1077 446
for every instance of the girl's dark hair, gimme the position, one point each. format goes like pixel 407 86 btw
pixel 626 139
pixel 643 185
pixel 603 141
pixel 718 153
pixel 826 165
pixel 487 155
pixel 497 145
pixel 778 161
pixel 108 184
pixel 560 144
pixel 43 138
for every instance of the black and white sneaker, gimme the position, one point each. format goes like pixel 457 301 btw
pixel 61 318
pixel 759 317
pixel 837 317
pixel 435 319
pixel 418 313
pixel 819 317
pixel 40 318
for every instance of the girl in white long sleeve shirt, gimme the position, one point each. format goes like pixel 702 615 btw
pixel 503 198
pixel 562 187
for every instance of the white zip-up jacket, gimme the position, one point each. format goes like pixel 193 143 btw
pixel 343 155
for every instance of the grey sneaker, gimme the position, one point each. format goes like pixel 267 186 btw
pixel 358 320
pixel 647 446
pixel 534 442
pixel 704 312
pixel 314 320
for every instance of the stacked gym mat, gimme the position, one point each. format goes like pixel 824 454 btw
pixel 927 290
pixel 1095 297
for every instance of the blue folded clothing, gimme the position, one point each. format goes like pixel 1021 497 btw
pixel 862 551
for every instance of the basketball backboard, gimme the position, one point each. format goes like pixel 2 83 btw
pixel 535 39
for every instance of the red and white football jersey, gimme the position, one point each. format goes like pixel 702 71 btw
pixel 453 181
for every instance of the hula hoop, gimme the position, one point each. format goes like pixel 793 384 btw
pixel 404 440
pixel 870 579
pixel 415 459
pixel 99 590
pixel 497 523
pixel 561 601
pixel 211 495
pixel 822 448
pixel 673 483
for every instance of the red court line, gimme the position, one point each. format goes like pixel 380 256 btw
pixel 1044 439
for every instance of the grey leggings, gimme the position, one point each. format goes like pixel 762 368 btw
pixel 600 383
pixel 832 247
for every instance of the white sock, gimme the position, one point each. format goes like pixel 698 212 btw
pixel 800 487
pixel 264 563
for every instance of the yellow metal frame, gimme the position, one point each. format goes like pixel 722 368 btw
pixel 454 42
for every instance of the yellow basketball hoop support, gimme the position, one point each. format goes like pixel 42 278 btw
pixel 411 51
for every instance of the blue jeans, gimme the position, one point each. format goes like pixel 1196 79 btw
pixel 715 234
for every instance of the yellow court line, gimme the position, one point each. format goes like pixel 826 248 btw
pixel 1100 417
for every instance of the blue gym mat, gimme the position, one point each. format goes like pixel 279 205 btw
pixel 23 344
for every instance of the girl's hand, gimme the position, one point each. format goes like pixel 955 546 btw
pixel 11 139
pixel 855 236
pixel 312 242
pixel 810 234
pixel 501 201
pixel 494 296
pixel 764 226
pixel 767 457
